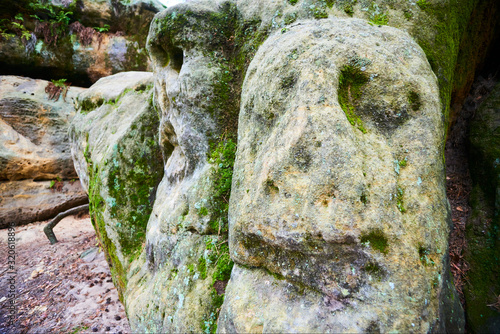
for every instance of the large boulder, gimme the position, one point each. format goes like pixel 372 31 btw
pixel 347 221
pixel 81 41
pixel 482 230
pixel 35 152
pixel 339 187
pixel 114 141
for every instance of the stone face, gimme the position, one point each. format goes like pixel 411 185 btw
pixel 483 242
pixel 116 153
pixel 339 189
pixel 80 53
pixel 339 182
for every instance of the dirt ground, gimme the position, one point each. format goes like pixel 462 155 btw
pixel 61 288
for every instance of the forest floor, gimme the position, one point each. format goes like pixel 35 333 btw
pixel 61 288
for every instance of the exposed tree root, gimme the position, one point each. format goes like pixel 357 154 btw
pixel 48 229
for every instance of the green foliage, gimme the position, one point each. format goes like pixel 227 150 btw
pixel 53 14
pixel 379 19
pixel 61 83
pixel 52 184
pixel 376 239
pixel 351 80
pixel 20 28
pixel 202 267
pixel 376 15
pixel 96 209
pixel 290 18
pixel 219 255
pixel 318 12
pixel 105 28
pixel 423 4
pixel 293 2
pixel 222 157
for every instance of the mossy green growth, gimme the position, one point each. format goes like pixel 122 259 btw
pixel 377 240
pixel 202 267
pixel 414 100
pixel 349 9
pixel 423 4
pixel 351 80
pixel 318 12
pixel 222 157
pixel 400 200
pixel 408 14
pixel 293 2
pixel 203 211
pixel 379 19
pixel 424 256
pixel 96 210
pixel 134 174
pixel 376 15
pixel 219 256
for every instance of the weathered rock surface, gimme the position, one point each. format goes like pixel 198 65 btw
pixel 34 146
pixel 378 252
pixel 34 139
pixel 483 236
pixel 339 184
pixel 80 53
pixel 117 156
pixel 27 201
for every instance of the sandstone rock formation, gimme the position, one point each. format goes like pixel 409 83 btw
pixel 483 251
pixel 35 152
pixel 339 185
pixel 81 41
pixel 338 218
pixel 115 146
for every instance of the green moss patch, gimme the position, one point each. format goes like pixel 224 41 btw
pixel 132 183
pixel 351 80
pixel 377 240
pixel 400 199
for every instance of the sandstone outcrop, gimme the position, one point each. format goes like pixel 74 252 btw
pixel 337 214
pixel 35 157
pixel 114 142
pixel 339 185
pixel 81 41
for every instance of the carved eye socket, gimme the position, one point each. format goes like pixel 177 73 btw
pixel 176 58
pixel 165 54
